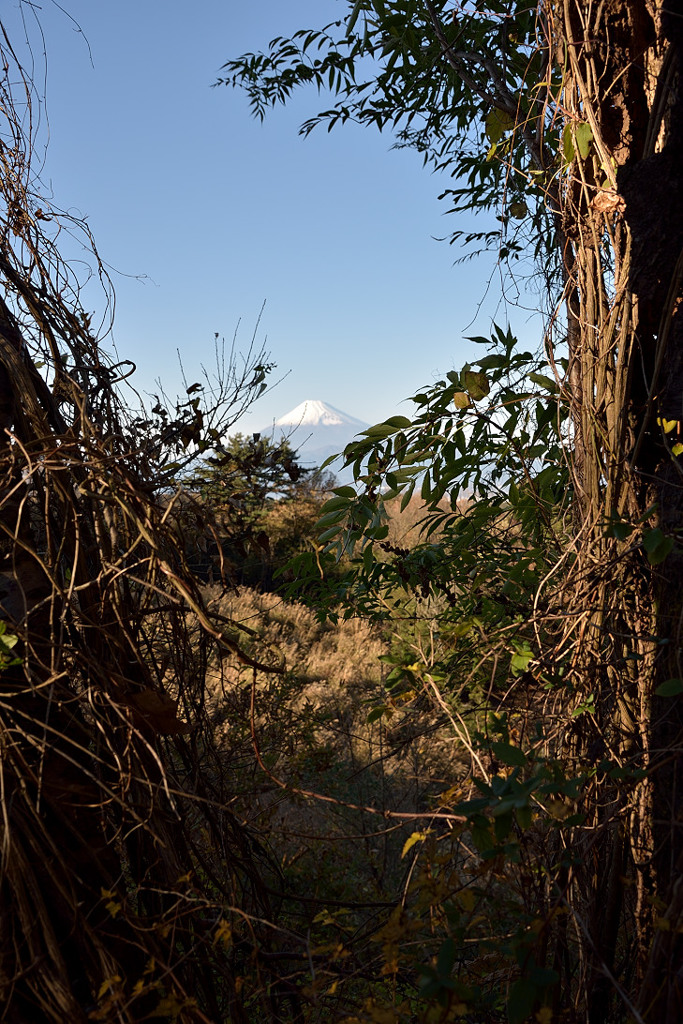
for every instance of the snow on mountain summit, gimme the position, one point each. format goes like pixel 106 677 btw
pixel 314 413
pixel 317 431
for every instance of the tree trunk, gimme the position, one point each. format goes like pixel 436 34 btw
pixel 621 210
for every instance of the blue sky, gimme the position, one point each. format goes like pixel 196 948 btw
pixel 204 214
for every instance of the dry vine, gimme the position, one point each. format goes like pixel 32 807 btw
pixel 127 888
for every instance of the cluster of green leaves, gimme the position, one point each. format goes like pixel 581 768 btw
pixel 531 985
pixel 485 453
pixel 487 941
pixel 470 86
pixel 656 544
pixel 492 915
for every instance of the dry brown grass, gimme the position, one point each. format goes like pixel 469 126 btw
pixel 327 777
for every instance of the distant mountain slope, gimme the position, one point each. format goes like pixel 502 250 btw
pixel 317 431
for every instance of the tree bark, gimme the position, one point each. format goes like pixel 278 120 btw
pixel 622 203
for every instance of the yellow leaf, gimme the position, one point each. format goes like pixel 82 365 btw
pixel 453 793
pixel 666 425
pixel 677 448
pixel 461 400
pixel 417 837
pixel 107 984
pixel 467 900
pixel 558 810
pixel 172 1006
pixel 544 1015
pixel 223 934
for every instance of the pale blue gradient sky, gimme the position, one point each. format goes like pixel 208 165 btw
pixel 217 213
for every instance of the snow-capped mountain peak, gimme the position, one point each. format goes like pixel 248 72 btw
pixel 314 413
pixel 316 431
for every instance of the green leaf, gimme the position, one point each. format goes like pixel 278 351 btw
pixel 335 504
pixel 508 754
pixel 476 384
pixel 405 500
pixel 543 977
pixel 519 662
pixel 521 1001
pixel 481 836
pixel 567 144
pixel 446 958
pixel 518 210
pixel 492 362
pixel 380 431
pixel 502 826
pixel 524 817
pixel 377 713
pixel 586 707
pixel 545 382
pixel 619 529
pixel 571 822
pixel 330 519
pixel 497 123
pixel 9 640
pixel 326 535
pixel 584 137
pixel 671 688
pixel 657 546
pixel 353 18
